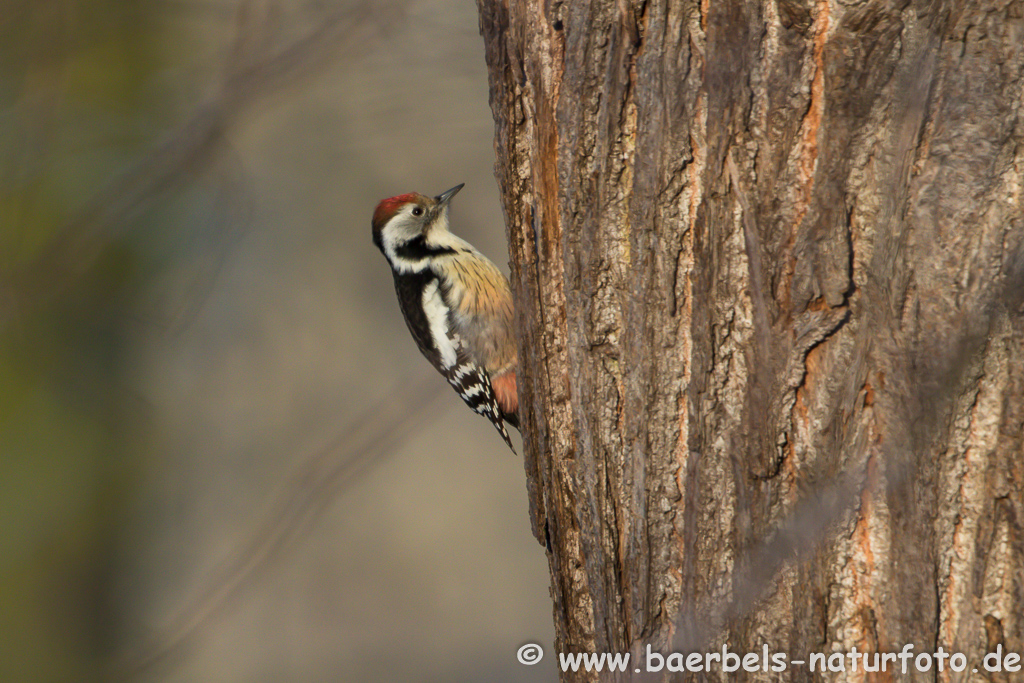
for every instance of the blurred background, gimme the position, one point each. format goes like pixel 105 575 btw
pixel 221 456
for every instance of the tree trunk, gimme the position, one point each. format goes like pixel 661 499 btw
pixel 768 266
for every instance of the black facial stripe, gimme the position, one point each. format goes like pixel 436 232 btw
pixel 417 249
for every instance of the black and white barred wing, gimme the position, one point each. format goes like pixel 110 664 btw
pixel 473 385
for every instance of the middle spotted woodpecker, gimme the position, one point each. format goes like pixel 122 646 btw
pixel 456 303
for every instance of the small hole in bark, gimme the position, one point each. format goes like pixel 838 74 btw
pixel 557 25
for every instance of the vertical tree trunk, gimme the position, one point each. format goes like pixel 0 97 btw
pixel 769 274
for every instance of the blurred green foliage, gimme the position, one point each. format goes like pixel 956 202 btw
pixel 76 105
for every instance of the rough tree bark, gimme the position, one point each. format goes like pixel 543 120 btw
pixel 768 265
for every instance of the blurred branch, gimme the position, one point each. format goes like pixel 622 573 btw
pixel 361 445
pixel 76 245
pixel 214 231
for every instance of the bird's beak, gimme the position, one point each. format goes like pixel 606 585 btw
pixel 446 196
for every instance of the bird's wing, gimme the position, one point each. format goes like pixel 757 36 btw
pixel 473 385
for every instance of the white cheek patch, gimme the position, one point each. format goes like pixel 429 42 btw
pixel 401 230
pixel 437 317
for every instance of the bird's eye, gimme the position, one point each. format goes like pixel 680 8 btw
pixel 417 211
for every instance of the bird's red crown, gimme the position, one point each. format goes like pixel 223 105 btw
pixel 390 206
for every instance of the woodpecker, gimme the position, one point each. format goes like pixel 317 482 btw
pixel 456 303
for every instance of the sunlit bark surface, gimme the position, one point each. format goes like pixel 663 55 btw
pixel 768 265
